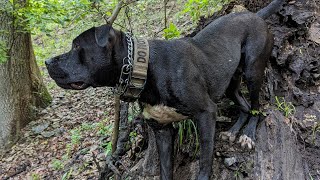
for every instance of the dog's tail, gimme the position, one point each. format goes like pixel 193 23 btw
pixel 273 7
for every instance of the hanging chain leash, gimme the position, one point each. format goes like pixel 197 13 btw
pixel 127 67
pixel 133 75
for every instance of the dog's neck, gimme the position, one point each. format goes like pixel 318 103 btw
pixel 120 50
pixel 134 66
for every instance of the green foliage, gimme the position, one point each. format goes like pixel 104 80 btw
pixel 87 126
pixel 257 112
pixel 287 108
pixel 108 148
pixel 51 85
pixel 68 151
pixel 104 130
pixel 133 137
pixel 171 32
pixel 75 136
pixel 47 19
pixel 35 176
pixel 3 52
pixel 57 164
pixel 188 134
pixel 67 175
pixel 315 129
pixel 198 8
pixel 41 14
pixel 133 111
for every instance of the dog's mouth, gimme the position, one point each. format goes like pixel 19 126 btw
pixel 79 85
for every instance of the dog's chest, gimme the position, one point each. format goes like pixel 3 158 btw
pixel 162 114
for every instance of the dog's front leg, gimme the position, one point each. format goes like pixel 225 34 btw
pixel 206 124
pixel 164 140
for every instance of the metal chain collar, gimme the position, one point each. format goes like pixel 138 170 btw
pixel 127 67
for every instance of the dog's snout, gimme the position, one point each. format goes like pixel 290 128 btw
pixel 48 62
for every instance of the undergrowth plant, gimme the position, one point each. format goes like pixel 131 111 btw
pixel 57 164
pixel 171 32
pixel 198 8
pixel 188 135
pixel 3 52
pixel 287 108
pixel 102 129
pixel 35 176
pixel 315 130
pixel 67 174
pixel 257 112
pixel 75 136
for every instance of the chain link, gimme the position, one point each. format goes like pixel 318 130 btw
pixel 127 67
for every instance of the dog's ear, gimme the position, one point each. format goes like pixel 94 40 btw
pixel 105 35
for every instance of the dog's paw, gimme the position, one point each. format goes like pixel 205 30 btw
pixel 227 136
pixel 246 142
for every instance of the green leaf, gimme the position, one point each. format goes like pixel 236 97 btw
pixel 171 32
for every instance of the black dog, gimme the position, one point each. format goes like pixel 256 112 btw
pixel 185 76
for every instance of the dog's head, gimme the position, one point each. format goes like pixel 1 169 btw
pixel 90 62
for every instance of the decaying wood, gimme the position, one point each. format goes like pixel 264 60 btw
pixel 277 154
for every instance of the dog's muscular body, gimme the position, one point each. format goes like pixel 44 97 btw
pixel 186 75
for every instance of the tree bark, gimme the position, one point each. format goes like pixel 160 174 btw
pixel 21 86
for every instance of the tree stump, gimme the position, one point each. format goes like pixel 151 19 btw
pixel 277 154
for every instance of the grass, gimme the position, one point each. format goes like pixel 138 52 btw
pixel 75 136
pixel 57 164
pixel 315 130
pixel 35 176
pixel 188 134
pixel 287 108
pixel 67 175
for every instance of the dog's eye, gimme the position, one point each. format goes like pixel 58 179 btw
pixel 76 47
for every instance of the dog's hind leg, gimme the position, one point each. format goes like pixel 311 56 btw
pixel 257 53
pixel 254 73
pixel 254 80
pixel 233 92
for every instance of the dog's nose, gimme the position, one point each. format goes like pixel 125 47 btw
pixel 48 62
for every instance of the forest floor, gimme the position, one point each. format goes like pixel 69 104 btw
pixel 69 139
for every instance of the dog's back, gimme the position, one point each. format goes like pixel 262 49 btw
pixel 227 39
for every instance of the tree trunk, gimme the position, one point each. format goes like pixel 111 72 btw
pixel 21 86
